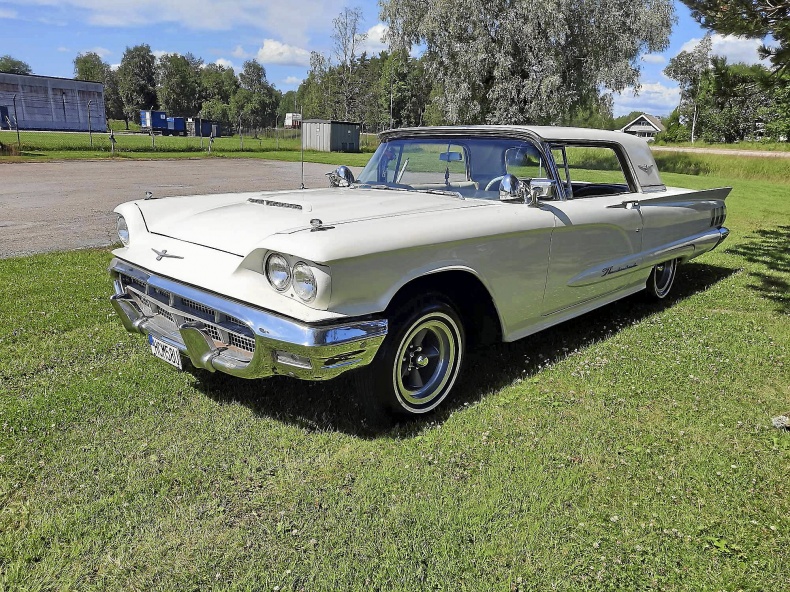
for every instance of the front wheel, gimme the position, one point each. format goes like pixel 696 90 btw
pixel 661 279
pixel 419 362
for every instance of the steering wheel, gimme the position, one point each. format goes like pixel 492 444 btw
pixel 492 182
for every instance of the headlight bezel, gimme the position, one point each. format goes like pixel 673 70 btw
pixel 304 268
pixel 282 286
pixel 122 228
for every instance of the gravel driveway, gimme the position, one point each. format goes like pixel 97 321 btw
pixel 57 206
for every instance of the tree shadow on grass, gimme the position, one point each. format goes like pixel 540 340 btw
pixel 335 405
pixel 769 248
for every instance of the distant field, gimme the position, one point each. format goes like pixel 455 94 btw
pixel 771 146
pixel 630 449
pixel 58 145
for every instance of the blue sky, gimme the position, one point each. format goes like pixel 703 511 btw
pixel 48 34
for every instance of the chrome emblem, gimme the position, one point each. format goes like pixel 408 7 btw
pixel 646 167
pixel 163 254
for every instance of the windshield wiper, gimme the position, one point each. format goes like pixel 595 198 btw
pixel 445 192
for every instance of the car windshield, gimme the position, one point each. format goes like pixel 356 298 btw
pixel 471 167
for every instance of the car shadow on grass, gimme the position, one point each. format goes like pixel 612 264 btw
pixel 768 248
pixel 336 406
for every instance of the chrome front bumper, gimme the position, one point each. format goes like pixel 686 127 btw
pixel 216 333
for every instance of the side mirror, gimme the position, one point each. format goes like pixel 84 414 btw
pixel 341 177
pixel 543 188
pixel 511 189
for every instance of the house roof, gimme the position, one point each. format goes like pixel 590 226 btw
pixel 652 120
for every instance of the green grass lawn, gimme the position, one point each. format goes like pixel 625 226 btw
pixel 37 146
pixel 631 449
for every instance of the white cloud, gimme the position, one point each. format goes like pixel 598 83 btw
pixel 158 53
pixel 273 16
pixel 735 49
pixel 225 63
pixel 7 14
pixel 292 81
pixel 653 58
pixel 239 52
pixel 653 98
pixel 114 67
pixel 101 51
pixel 375 43
pixel 63 49
pixel 275 52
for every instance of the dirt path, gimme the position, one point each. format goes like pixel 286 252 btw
pixel 56 206
pixel 755 153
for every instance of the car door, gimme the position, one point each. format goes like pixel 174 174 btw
pixel 597 240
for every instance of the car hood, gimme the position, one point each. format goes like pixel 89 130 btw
pixel 237 223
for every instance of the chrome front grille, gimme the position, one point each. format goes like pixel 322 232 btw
pixel 171 311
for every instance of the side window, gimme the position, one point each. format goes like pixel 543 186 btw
pixel 524 162
pixel 595 171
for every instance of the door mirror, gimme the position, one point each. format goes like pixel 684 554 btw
pixel 341 177
pixel 511 189
pixel 544 188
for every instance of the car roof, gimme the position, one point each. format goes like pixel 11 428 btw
pixel 637 151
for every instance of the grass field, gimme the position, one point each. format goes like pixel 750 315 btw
pixel 631 449
pixel 36 146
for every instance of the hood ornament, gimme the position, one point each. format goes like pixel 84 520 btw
pixel 317 225
pixel 164 254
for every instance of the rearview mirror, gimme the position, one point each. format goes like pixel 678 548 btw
pixel 451 157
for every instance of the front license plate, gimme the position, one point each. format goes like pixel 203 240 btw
pixel 165 351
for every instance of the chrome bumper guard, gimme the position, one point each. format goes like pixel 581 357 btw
pixel 216 333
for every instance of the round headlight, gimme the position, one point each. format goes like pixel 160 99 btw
pixel 278 271
pixel 123 230
pixel 304 282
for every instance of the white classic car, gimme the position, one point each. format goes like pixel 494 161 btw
pixel 450 236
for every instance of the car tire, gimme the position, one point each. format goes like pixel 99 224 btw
pixel 662 276
pixel 420 360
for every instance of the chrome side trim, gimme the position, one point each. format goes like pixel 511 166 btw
pixel 327 350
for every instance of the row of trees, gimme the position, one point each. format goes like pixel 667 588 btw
pixel 484 61
pixel 182 85
pixel 722 102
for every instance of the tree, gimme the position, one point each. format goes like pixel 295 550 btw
pixel 347 39
pixel 178 84
pixel 730 101
pixel 218 83
pixel 113 103
pixel 533 61
pixel 687 69
pixel 257 105
pixel 11 65
pixel 89 66
pixel 137 80
pixel 749 18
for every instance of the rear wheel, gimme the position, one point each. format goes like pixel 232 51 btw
pixel 661 279
pixel 420 360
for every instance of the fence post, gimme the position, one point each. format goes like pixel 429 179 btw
pixel 90 128
pixel 16 121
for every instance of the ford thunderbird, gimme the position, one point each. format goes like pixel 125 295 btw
pixel 449 237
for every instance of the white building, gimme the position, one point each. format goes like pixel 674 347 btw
pixel 645 126
pixel 47 103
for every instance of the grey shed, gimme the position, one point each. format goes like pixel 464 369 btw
pixel 325 135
